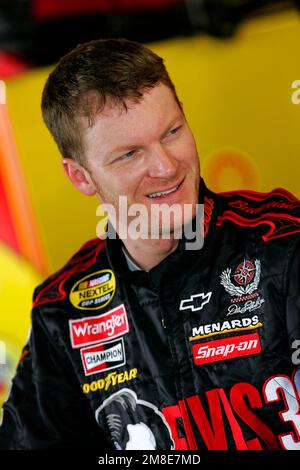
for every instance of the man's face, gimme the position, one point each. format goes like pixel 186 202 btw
pixel 146 153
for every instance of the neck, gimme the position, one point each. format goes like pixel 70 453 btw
pixel 148 253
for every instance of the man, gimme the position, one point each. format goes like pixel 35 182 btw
pixel 150 342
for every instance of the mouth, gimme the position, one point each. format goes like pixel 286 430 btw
pixel 165 193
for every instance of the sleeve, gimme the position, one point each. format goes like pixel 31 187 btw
pixel 292 276
pixel 45 407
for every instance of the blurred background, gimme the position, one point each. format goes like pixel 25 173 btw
pixel 235 64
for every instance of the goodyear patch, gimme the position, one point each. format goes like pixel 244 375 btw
pixel 111 380
pixel 94 291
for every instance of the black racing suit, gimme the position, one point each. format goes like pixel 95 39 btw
pixel 201 352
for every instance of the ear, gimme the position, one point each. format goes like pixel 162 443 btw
pixel 79 176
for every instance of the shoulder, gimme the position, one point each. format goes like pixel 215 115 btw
pixel 277 212
pixel 83 263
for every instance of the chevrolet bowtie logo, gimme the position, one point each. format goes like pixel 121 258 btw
pixel 195 302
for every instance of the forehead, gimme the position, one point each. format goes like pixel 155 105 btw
pixel 141 122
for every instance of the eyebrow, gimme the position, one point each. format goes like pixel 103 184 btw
pixel 125 147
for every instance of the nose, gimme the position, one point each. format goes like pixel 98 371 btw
pixel 161 163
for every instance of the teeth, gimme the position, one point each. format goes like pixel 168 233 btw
pixel 164 193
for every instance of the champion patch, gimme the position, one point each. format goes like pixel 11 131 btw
pixel 92 330
pixel 103 357
pixel 227 348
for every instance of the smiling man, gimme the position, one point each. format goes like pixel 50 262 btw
pixel 150 161
pixel 145 342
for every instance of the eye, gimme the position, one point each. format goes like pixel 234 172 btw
pixel 128 154
pixel 174 130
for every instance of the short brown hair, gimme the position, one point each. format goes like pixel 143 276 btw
pixel 83 80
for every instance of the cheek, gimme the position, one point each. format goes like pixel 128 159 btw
pixel 187 153
pixel 107 180
pixel 122 182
